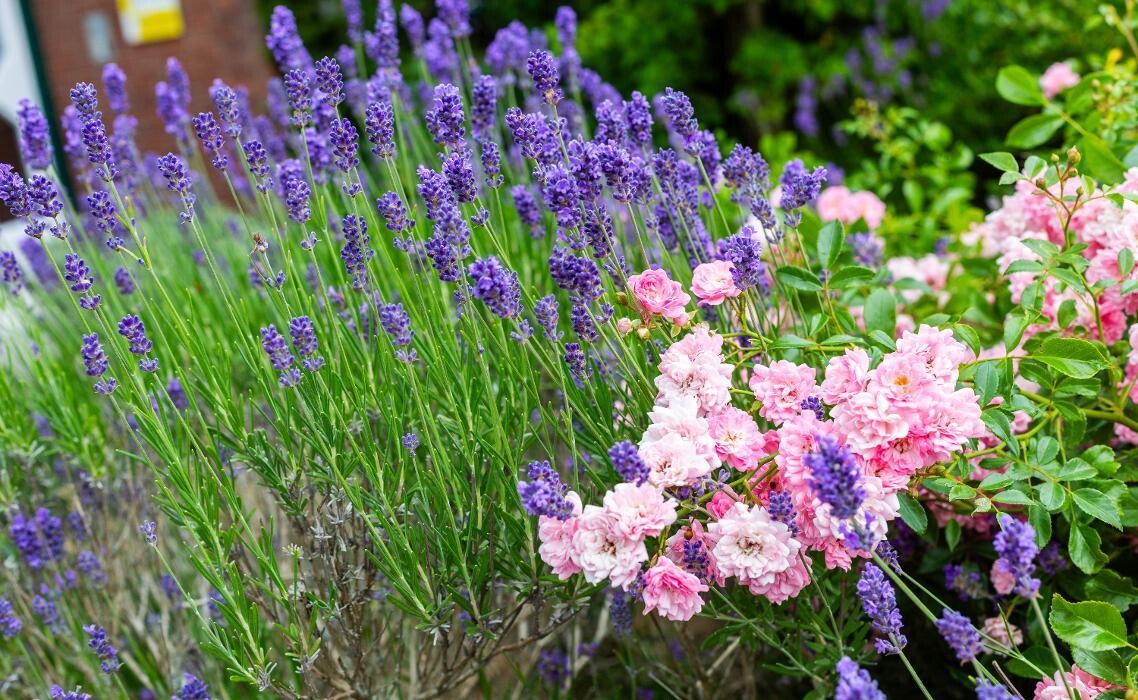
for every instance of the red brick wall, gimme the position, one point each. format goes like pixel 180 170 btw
pixel 222 39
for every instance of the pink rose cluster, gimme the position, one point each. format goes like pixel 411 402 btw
pixel 839 204
pixel 895 419
pixel 1085 685
pixel 1106 229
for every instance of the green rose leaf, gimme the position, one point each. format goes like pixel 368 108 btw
pixel 1089 625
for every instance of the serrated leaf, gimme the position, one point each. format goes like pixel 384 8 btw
pixel 849 276
pixel 995 481
pixel 1085 548
pixel 1013 497
pixel 1107 665
pixel 1110 587
pixel 1052 496
pixel 1001 426
pixel 1089 625
pixel 1040 519
pixel 1074 357
pixel 1098 505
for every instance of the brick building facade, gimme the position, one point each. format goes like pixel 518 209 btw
pixel 74 38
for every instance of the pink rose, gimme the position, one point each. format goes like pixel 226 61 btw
pixel 712 282
pixel 839 204
pixel 1003 580
pixel 671 591
pixel 1057 78
pixel 641 511
pixel 845 376
pixel 720 503
pixel 556 538
pixel 660 295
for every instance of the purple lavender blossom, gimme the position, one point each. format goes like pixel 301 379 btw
pixel 10 625
pixel 496 286
pixel 410 442
pixel 576 361
pixel 58 693
pixel 781 509
pixel 854 683
pixel 329 81
pixel 545 311
pixel 107 654
pixel 960 634
pixel 93 358
pixel 132 328
pixel 412 23
pixel 298 88
pixel 356 252
pixel 835 477
pixel 303 334
pixel 628 464
pixel 296 195
pixel 1015 543
pixel 193 688
pixel 35 136
pixel 543 71
pixel 445 117
pixel 545 493
pixel 209 134
pixel 10 273
pixel 987 690
pixel 284 41
pixel 394 213
pixel 124 281
pixel 114 87
pixel 379 125
pixel 178 180
pixel 879 602
pixel 77 273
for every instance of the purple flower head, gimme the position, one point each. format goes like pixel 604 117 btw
pixel 412 23
pixel 193 688
pixel 987 690
pixel 460 176
pixel 124 281
pixel 298 88
pixel 284 41
pixel 10 273
pixel 330 81
pixel 102 209
pixel 46 610
pixel 561 196
pixel 507 52
pixel 345 144
pixel 396 323
pixel 379 125
pixel 91 568
pixel 743 249
pixel 813 404
pixel 496 286
pixel 681 114
pixel 554 668
pixel 545 311
pixel 356 252
pixel 114 87
pixel 835 477
pixel 781 509
pixel 132 328
pixel 577 362
pixel 577 275
pixel 491 159
pixel 527 209
pixel 484 105
pixel 439 52
pixel 959 633
pixel 1015 544
pixel 445 117
pixel 394 213
pixel 274 345
pixel 799 188
pixel 544 493
pixel 879 602
pixel 76 273
pixel 10 625
pixel 35 136
pixel 58 693
pixel 566 23
pixel 456 14
pixel 43 197
pixel 149 530
pixel 296 195
pixel 542 68
pixel 209 134
pixel 171 108
pixel 627 462
pixel 382 45
pixel 868 249
pixel 854 683
pixel 178 180
pixel 258 159
pixel 410 442
pixel 107 654
pixel 965 581
pixel 638 114
pixel 304 341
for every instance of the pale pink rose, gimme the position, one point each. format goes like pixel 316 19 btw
pixel 641 511
pixel 839 204
pixel 831 203
pixel 752 547
pixel 556 538
pixel 1003 580
pixel 845 376
pixel 1086 686
pixel 673 461
pixel 624 325
pixel 785 585
pixel 712 282
pixel 660 295
pixel 782 387
pixel 671 591
pixel 738 441
pixel 603 552
pixel 720 503
pixel 683 416
pixel 693 366
pixel 869 419
pixel 1004 633
pixel 1057 78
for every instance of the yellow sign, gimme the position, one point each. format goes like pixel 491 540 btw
pixel 150 21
